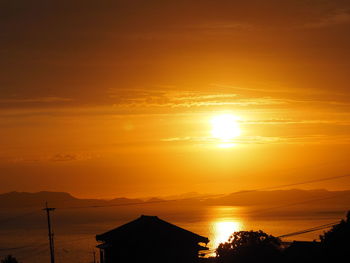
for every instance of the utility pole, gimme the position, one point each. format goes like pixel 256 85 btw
pixel 52 248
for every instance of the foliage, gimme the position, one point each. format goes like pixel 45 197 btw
pixel 249 246
pixel 336 242
pixel 9 259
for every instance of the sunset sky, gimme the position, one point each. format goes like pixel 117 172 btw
pixel 118 98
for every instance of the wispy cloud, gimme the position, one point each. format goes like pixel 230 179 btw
pixel 35 100
pixel 219 27
pixel 308 139
pixel 294 121
pixel 186 99
pixel 65 157
pixel 210 140
pixel 226 96
pixel 56 157
pixel 262 88
pixel 339 17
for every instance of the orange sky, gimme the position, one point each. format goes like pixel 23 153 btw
pixel 116 97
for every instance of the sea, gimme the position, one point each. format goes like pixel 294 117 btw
pixel 23 233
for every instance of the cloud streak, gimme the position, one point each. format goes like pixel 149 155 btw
pixel 186 99
pixel 55 157
pixel 338 17
pixel 245 140
pixel 35 100
pixel 225 97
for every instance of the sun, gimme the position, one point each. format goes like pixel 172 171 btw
pixel 225 127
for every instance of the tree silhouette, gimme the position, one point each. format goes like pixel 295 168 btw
pixel 9 259
pixel 336 242
pixel 249 246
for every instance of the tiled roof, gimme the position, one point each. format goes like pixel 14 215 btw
pixel 147 227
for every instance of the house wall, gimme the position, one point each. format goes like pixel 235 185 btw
pixel 150 253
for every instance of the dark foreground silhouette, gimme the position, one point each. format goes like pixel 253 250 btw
pixel 251 246
pixel 9 259
pixel 150 239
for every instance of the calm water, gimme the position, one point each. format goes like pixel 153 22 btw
pixel 26 237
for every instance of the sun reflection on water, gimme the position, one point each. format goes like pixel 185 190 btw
pixel 225 220
pixel 223 230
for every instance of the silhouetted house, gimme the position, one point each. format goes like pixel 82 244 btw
pixel 150 239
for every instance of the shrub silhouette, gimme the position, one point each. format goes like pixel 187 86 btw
pixel 249 246
pixel 335 243
pixel 9 259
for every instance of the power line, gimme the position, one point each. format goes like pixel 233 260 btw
pixel 293 184
pixel 307 182
pixel 18 216
pixel 48 210
pixel 175 200
pixel 296 203
pixel 241 192
pixel 15 248
pixel 37 250
pixel 308 230
pixel 114 205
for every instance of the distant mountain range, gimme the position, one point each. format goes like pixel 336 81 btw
pixel 334 199
pixel 57 199
pixel 292 196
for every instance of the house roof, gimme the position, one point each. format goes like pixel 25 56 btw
pixel 147 227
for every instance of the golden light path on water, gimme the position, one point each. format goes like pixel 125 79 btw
pixel 223 227
pixel 223 230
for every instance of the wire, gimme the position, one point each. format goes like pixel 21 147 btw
pixel 297 203
pixel 14 248
pixel 73 240
pixel 294 184
pixel 35 247
pixel 308 230
pixel 308 182
pixel 175 200
pixel 241 192
pixel 113 205
pixel 18 216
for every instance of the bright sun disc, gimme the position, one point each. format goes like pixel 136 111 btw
pixel 225 127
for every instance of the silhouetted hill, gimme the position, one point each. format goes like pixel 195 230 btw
pixel 155 200
pixel 57 199
pixel 319 197
pixel 123 200
pixel 23 199
pixel 311 198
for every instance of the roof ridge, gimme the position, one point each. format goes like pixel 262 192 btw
pixel 143 221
